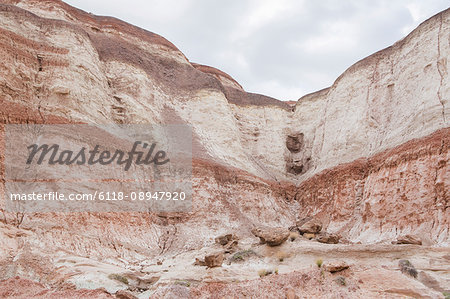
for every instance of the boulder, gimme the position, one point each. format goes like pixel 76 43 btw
pixel 214 260
pixel 271 236
pixel 328 238
pixel 335 266
pixel 228 241
pixel 224 239
pixel 231 246
pixel 408 239
pixel 309 225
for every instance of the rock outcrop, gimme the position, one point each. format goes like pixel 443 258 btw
pixel 272 236
pixel 408 239
pixel 214 259
pixel 328 238
pixel 335 267
pixel 309 226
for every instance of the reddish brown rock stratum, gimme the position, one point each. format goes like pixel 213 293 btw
pixel 367 157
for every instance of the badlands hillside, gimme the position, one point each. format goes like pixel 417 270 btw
pixel 344 194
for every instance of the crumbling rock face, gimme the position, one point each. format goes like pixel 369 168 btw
pixel 374 199
pixel 294 142
pixel 363 156
pixel 298 159
pixel 295 167
pixel 408 239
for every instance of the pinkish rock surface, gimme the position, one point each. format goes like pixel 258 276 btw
pixel 368 158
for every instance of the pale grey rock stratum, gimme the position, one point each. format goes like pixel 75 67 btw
pixel 382 101
pixel 367 157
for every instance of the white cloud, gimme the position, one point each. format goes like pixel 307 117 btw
pixel 281 48
pixel 262 12
pixel 339 36
pixel 420 11
pixel 283 92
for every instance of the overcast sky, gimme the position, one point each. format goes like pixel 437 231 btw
pixel 280 48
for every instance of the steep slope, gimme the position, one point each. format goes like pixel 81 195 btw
pixel 367 156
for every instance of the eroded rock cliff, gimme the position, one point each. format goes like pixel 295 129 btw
pixel 367 156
